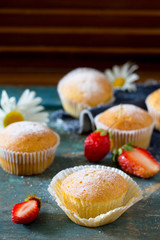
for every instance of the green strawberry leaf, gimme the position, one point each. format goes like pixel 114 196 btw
pixel 99 130
pixel 115 156
pixel 119 151
pixel 110 135
pixel 128 147
pixel 33 196
pixel 102 132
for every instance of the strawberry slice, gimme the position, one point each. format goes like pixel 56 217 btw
pixel 97 145
pixel 26 212
pixel 136 161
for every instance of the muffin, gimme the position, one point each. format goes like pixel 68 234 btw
pixel 153 105
pixel 84 88
pixel 127 123
pixel 91 192
pixel 27 148
pixel 94 195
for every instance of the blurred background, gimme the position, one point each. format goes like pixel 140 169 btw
pixel 41 40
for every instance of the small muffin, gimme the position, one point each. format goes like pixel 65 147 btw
pixel 84 88
pixel 128 123
pixel 27 148
pixel 153 105
pixel 94 195
pixel 91 192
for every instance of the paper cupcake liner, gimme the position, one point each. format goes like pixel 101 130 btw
pixel 20 163
pixel 155 114
pixel 139 137
pixel 132 196
pixel 86 209
pixel 74 108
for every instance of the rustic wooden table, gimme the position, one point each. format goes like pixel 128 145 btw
pixel 142 221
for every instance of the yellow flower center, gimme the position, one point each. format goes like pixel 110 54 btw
pixel 118 82
pixel 12 117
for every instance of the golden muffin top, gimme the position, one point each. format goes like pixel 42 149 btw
pixel 126 117
pixel 92 184
pixel 27 137
pixel 154 99
pixel 86 86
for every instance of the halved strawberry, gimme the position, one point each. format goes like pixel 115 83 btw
pixel 97 145
pixel 136 161
pixel 26 212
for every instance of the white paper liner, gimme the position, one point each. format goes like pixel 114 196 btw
pixel 132 196
pixel 23 163
pixel 139 137
pixel 154 113
pixel 74 108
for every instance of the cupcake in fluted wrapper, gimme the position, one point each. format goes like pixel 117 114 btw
pixel 91 192
pixel 94 195
pixel 84 88
pixel 27 148
pixel 127 123
pixel 153 105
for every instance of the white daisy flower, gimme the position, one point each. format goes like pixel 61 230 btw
pixel 26 109
pixel 122 77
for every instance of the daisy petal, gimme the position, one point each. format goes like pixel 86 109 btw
pixel 117 71
pixel 123 77
pixel 26 97
pixel 7 103
pixel 4 98
pixel 35 101
pixel 31 95
pixel 31 111
pixel 27 105
pixel 132 69
pixel 2 113
pixel 39 117
pixel 23 98
pixel 30 104
pixel 132 78
pixel 109 75
pixel 124 69
pixel 37 109
pixel 12 103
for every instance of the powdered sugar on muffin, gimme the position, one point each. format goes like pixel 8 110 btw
pixel 87 80
pixel 18 129
pixel 27 136
pixel 94 184
pixel 130 117
pixel 86 86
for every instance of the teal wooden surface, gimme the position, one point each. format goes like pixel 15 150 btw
pixel 49 94
pixel 141 221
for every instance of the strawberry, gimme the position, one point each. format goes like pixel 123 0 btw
pixel 97 145
pixel 136 161
pixel 26 212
